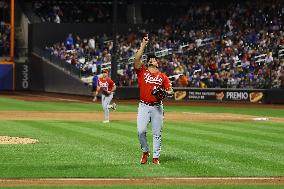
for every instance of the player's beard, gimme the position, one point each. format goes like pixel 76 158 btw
pixel 152 66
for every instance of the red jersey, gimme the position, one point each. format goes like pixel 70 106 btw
pixel 147 81
pixel 107 83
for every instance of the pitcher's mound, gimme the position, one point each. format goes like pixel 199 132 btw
pixel 16 140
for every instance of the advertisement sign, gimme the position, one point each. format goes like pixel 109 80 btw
pixel 201 95
pixel 247 96
pixel 225 95
pixel 180 95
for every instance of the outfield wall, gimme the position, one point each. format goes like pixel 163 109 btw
pixel 266 96
pixel 274 96
pixel 6 76
pixel 22 76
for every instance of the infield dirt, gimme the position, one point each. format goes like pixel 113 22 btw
pixel 122 116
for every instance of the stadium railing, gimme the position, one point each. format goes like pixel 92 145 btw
pixel 71 69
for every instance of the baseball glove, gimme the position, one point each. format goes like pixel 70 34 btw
pixel 159 93
pixel 103 91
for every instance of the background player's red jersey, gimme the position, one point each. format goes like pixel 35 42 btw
pixel 147 81
pixel 106 84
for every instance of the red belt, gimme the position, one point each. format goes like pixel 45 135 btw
pixel 151 103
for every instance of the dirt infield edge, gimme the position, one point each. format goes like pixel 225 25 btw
pixel 145 181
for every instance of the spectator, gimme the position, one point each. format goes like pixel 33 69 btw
pixel 57 19
pixel 91 43
pixel 69 42
pixel 67 11
pixel 281 76
pixel 183 81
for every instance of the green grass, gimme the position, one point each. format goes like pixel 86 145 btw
pixel 91 149
pixel 8 104
pixel 152 187
pixel 233 110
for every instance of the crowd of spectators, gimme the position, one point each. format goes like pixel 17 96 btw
pixel 4 29
pixel 4 39
pixel 87 54
pixel 73 11
pixel 5 10
pixel 68 11
pixel 235 46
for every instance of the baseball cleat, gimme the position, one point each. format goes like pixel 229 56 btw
pixel 144 157
pixel 156 161
pixel 113 106
pixel 106 121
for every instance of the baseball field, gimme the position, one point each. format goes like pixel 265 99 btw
pixel 55 142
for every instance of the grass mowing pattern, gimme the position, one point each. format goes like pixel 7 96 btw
pixel 92 149
pixel 151 187
pixel 8 104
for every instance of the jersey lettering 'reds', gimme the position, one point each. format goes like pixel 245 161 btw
pixel 148 81
pixel 154 80
pixel 106 84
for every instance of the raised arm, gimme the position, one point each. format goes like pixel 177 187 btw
pixel 137 59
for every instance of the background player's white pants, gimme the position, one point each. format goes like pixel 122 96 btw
pixel 145 113
pixel 105 103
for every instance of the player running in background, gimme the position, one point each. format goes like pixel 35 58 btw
pixel 150 107
pixel 106 87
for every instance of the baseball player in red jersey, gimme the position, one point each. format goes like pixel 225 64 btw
pixel 150 107
pixel 106 87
